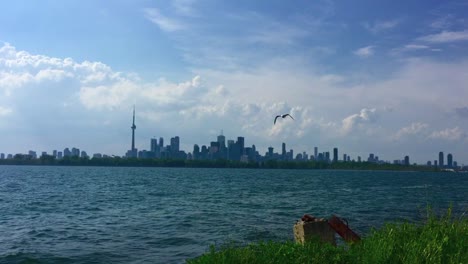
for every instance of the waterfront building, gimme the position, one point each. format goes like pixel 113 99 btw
pixel 359 159
pixel 283 151
pixel 441 159
pixel 32 154
pixel 335 155
pixel 406 162
pixel 84 154
pixel 429 163
pixel 344 157
pixel 75 152
pixel 2 156
pixel 97 155
pixel 240 142
pixel 10 156
pixel 315 153
pixel 59 154
pixel 196 152
pixel 54 153
pixel 449 160
pixel 435 163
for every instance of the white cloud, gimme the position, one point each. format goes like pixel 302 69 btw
pixel 365 51
pixel 413 129
pixel 184 7
pixel 451 134
pixel 163 22
pixel 5 111
pixel 365 116
pixel 446 37
pixel 381 26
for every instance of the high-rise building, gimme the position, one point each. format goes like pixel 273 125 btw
pixel 344 157
pixel 316 153
pixel 175 144
pixel 441 159
pixel 2 156
pixel 75 152
pixel 359 159
pixel 335 155
pixel 222 141
pixel 407 162
pixel 270 152
pixel 133 150
pixel 161 143
pixel 240 142
pixel 54 153
pixel 67 152
pixel 196 152
pixel 154 145
pixel 449 160
pixel 283 151
pixel 435 163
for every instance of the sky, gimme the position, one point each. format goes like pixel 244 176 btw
pixel 365 76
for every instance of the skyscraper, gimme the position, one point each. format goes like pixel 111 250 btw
pixel 316 153
pixel 449 160
pixel 441 159
pixel 406 160
pixel 283 151
pixel 335 155
pixel 154 145
pixel 133 135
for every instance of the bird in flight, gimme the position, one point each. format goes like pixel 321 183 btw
pixel 282 116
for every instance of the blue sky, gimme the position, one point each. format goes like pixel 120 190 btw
pixel 388 77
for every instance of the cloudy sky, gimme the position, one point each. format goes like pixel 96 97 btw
pixel 383 77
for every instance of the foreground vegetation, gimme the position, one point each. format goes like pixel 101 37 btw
pixel 439 240
pixel 20 159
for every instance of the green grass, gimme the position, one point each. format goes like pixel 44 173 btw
pixel 438 240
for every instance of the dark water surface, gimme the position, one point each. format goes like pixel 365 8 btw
pixel 166 215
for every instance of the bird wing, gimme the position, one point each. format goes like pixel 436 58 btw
pixel 276 118
pixel 285 115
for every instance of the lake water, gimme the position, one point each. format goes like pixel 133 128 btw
pixel 166 215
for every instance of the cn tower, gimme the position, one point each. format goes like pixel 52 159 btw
pixel 133 132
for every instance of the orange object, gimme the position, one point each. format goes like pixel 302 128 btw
pixel 343 229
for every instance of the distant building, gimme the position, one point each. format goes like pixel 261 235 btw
pixel 441 159
pixel 359 158
pixel 316 153
pixel 429 163
pixel 283 151
pixel 2 156
pixel 335 155
pixel 59 155
pixel 344 157
pixel 75 152
pixel 97 155
pixel 54 153
pixel 449 160
pixel 84 154
pixel 406 162
pixel 32 154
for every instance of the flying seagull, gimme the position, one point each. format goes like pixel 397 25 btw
pixel 282 116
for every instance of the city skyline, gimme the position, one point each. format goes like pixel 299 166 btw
pixel 235 150
pixel 363 76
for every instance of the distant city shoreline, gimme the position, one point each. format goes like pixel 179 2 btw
pixel 181 163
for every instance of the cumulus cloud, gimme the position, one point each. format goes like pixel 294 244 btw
pixel 365 116
pixel 365 51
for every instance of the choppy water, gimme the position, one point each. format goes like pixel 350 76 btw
pixel 166 215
